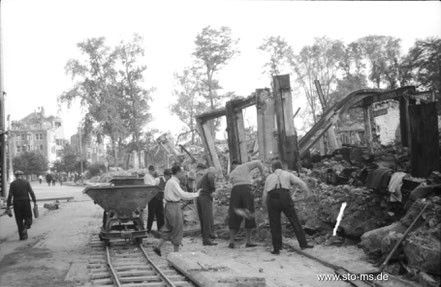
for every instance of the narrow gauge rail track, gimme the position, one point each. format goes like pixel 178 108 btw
pixel 131 265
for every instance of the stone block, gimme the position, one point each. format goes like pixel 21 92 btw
pixel 206 271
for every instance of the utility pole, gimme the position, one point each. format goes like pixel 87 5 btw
pixel 2 118
pixel 81 150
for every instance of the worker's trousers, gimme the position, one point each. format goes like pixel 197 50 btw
pixel 204 205
pixel 279 200
pixel 23 215
pixel 156 209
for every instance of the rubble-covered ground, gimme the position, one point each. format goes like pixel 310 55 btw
pixel 370 220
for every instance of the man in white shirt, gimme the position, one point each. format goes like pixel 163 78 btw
pixel 173 230
pixel 277 195
pixel 150 177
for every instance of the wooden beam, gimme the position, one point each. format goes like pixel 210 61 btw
pixel 211 115
pixel 320 94
pixel 241 136
pixel 388 95
pixel 266 125
pixel 424 153
pixel 288 145
pixel 332 139
pixel 238 104
pixel 404 121
pixel 233 137
pixel 367 126
pixel 208 142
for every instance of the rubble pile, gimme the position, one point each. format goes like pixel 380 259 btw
pixel 420 250
pixel 365 211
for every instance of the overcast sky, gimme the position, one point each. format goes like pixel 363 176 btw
pixel 40 36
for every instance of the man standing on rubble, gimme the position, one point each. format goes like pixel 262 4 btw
pixel 204 205
pixel 242 199
pixel 277 195
pixel 173 230
pixel 156 206
pixel 19 192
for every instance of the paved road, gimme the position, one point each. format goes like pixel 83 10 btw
pixel 57 240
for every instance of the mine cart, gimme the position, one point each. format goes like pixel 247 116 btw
pixel 123 205
pixel 126 180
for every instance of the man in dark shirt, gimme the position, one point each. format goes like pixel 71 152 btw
pixel 19 192
pixel 205 205
pixel 156 205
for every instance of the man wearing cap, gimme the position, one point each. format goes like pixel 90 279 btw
pixel 242 199
pixel 173 229
pixel 277 195
pixel 156 206
pixel 19 192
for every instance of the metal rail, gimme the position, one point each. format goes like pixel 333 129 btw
pixel 163 276
pixel 114 273
pixel 115 278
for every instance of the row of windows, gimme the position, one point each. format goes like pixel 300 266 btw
pixel 28 148
pixel 28 137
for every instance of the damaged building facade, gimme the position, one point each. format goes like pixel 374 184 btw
pixel 386 168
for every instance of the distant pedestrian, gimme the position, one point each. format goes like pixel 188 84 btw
pixel 242 199
pixel 49 179
pixel 204 205
pixel 277 195
pixel 156 205
pixel 19 192
pixel 173 230
pixel 60 179
pixel 40 178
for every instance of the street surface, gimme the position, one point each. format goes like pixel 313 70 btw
pixel 56 253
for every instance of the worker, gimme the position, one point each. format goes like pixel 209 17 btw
pixel 173 229
pixel 204 205
pixel 156 206
pixel 242 199
pixel 19 192
pixel 277 195
pixel 149 177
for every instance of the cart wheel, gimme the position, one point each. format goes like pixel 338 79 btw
pixel 101 237
pixel 107 242
pixel 138 240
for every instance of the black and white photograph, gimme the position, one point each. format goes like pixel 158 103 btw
pixel 220 143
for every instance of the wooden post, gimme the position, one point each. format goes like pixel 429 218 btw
pixel 232 132
pixel 266 125
pixel 367 126
pixel 288 145
pixel 424 142
pixel 404 120
pixel 236 133
pixel 208 141
pixel 332 139
pixel 242 141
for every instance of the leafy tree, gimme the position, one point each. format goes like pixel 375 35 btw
pixel 189 99
pixel 214 49
pixel 280 53
pixel 135 99
pixel 58 166
pixel 422 65
pixel 96 88
pixel 32 162
pixel 383 55
pixel 320 61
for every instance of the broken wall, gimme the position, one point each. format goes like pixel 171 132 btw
pixel 387 121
